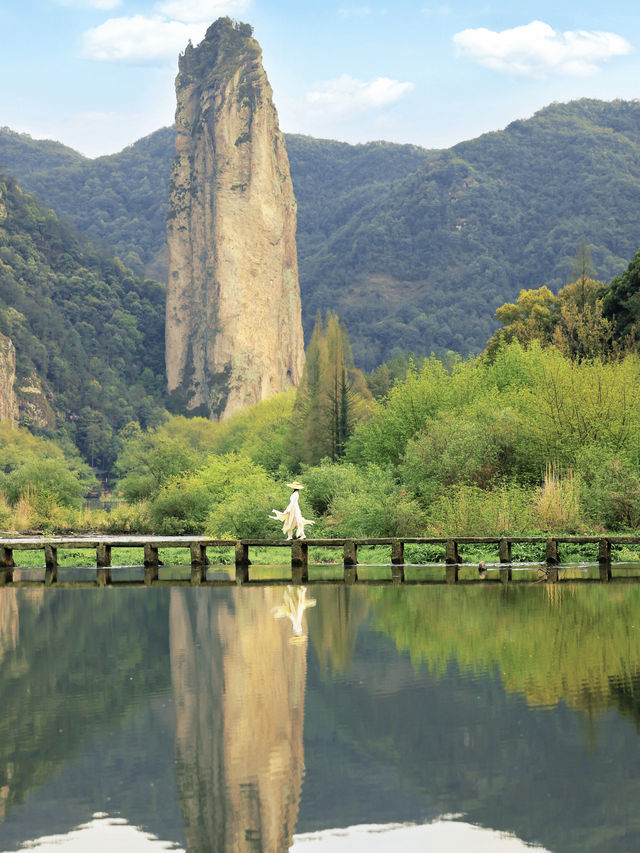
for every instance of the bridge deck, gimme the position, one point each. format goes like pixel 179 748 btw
pixel 197 545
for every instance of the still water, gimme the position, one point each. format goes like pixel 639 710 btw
pixel 232 719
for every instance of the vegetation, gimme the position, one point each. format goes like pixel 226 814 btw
pixel 411 248
pixel 536 434
pixel 333 395
pixel 89 356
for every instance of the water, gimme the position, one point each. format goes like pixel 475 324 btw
pixel 414 718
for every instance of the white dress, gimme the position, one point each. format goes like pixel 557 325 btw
pixel 292 518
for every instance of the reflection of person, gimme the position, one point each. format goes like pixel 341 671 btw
pixel 294 603
pixel 292 517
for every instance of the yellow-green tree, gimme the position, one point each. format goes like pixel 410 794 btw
pixel 332 396
pixel 529 318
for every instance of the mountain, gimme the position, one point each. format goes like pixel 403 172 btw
pixel 87 332
pixel 414 249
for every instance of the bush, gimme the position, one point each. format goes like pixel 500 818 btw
pixel 611 493
pixel 557 506
pixel 470 511
pixel 46 482
pixel 362 501
pixel 230 496
pixel 181 507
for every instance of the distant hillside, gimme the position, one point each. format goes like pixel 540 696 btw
pixel 118 201
pixel 87 331
pixel 414 249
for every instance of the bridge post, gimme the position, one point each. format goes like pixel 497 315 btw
pixel 7 565
pixel 397 553
pixel 505 551
pixel 397 561
pixel 350 559
pixel 604 559
pixel 103 561
pixel 350 553
pixel 151 563
pixel 242 562
pixel 451 573
pixel 397 574
pixel 299 561
pixel 553 559
pixel 505 574
pixel 51 564
pixel 451 552
pixel 198 563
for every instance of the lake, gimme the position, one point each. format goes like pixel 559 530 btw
pixel 440 718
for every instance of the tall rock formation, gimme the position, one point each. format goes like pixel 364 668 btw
pixel 233 328
pixel 8 402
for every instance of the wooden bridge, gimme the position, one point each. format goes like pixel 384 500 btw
pixel 197 545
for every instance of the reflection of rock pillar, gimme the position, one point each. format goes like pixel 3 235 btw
pixel 9 620
pixel 239 693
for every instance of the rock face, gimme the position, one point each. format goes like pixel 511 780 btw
pixel 8 402
pixel 233 328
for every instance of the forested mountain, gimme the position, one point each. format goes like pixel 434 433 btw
pixel 86 330
pixel 413 249
pixel 119 201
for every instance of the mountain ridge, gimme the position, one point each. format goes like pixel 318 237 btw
pixel 414 248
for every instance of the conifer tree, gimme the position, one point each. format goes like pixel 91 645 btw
pixel 332 396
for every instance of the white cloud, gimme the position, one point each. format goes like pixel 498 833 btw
pixel 196 11
pixel 162 35
pixel 349 95
pixel 139 39
pixel 537 50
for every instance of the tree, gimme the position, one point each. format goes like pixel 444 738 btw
pixel 622 301
pixel 332 397
pixel 582 331
pixel 530 318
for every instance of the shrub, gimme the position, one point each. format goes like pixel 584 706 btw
pixel 611 493
pixel 557 505
pixel 362 501
pixel 470 511
pixel 47 481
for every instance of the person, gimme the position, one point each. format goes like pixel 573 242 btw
pixel 292 517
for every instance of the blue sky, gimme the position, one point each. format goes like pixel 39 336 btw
pixel 99 74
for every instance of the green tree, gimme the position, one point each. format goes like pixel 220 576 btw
pixel 332 397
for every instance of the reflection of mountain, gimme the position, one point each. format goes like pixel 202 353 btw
pixel 475 732
pixel 73 661
pixel 10 615
pixel 239 693
pixel 334 626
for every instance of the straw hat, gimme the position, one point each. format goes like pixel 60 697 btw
pixel 295 485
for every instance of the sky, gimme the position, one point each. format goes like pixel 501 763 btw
pixel 98 75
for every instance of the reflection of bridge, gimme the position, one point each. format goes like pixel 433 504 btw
pixel 198 561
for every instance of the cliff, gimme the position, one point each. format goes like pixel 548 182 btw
pixel 8 403
pixel 233 322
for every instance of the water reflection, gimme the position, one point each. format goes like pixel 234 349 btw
pixel 571 643
pixel 239 688
pixel 294 604
pixel 191 715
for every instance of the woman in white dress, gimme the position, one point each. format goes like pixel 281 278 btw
pixel 292 517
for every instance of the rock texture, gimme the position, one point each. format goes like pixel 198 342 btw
pixel 233 329
pixel 8 402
